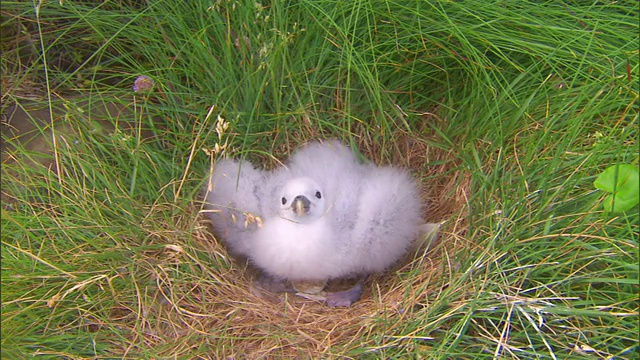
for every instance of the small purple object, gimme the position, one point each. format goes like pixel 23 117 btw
pixel 345 298
pixel 143 83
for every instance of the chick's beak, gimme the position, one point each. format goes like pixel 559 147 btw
pixel 301 205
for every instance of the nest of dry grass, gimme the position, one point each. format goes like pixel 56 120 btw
pixel 215 307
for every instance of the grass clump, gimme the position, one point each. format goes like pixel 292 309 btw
pixel 507 112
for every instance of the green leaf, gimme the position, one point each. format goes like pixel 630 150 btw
pixel 623 182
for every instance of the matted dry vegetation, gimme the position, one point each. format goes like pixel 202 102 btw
pixel 216 297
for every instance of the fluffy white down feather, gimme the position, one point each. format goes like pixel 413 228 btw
pixel 236 189
pixel 347 219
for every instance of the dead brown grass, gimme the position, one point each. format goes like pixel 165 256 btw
pixel 215 307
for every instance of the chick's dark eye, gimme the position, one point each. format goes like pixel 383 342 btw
pixel 284 200
pixel 318 195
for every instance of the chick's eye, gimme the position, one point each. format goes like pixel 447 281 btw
pixel 318 195
pixel 284 200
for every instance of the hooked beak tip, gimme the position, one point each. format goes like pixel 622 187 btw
pixel 300 206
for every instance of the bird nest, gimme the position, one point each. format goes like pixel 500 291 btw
pixel 216 306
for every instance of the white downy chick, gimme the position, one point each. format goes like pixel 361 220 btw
pixel 325 216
